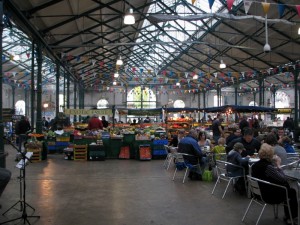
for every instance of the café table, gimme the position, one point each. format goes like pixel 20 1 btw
pixel 294 176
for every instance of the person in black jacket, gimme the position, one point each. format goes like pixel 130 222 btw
pixel 268 168
pixel 104 122
pixel 251 144
pixel 177 138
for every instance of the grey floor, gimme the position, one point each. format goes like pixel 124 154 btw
pixel 121 192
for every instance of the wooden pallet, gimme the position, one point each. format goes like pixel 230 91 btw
pixel 80 152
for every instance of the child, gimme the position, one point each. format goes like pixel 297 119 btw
pixel 286 142
pixel 219 149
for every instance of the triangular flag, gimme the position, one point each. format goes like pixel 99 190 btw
pixel 193 2
pixel 266 7
pixel 281 8
pixel 229 4
pixel 298 9
pixel 247 5
pixel 211 2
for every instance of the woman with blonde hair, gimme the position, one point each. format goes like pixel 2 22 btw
pixel 268 168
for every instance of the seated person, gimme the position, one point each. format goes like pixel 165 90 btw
pixel 177 138
pixel 220 148
pixel 287 144
pixel 203 141
pixel 250 143
pixel 234 157
pixel 268 169
pixel 236 133
pixel 278 150
pixel 189 145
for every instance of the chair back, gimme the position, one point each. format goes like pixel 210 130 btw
pixel 167 148
pixel 254 187
pixel 224 168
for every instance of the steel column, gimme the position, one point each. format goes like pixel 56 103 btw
pixel 39 122
pixel 32 89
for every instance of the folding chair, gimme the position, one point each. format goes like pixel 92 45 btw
pixel 258 198
pixel 222 173
pixel 170 155
pixel 181 164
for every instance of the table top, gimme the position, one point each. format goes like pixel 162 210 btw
pixel 295 174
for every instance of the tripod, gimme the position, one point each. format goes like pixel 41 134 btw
pixel 23 205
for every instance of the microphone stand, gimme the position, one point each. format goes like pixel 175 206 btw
pixel 23 205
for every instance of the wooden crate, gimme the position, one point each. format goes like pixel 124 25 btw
pixel 80 152
pixel 37 154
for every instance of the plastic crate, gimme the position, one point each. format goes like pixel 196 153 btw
pixel 80 152
pixel 160 142
pixel 62 143
pixel 145 152
pixel 67 139
pixel 159 152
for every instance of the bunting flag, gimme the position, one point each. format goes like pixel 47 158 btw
pixel 298 9
pixel 211 2
pixel 28 55
pixel 266 7
pixel 193 2
pixel 281 8
pixel 229 4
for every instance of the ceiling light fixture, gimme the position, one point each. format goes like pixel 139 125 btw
pixel 299 31
pixel 177 84
pixel 16 57
pixel 195 77
pixel 129 18
pixel 119 61
pixel 222 64
pixel 116 75
pixel 115 83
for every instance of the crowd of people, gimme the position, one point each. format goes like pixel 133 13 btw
pixel 242 144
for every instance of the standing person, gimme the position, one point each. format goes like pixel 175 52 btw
pixel 189 145
pixel 22 127
pixel 268 168
pixel 244 123
pixel 45 123
pixel 95 123
pixel 104 122
pixel 217 128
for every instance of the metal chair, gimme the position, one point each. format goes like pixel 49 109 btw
pixel 170 155
pixel 293 163
pixel 258 198
pixel 181 164
pixel 222 173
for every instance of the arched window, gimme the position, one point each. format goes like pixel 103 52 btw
pixel 216 100
pixel 253 103
pixel 282 100
pixel 141 98
pixel 102 103
pixel 179 104
pixel 20 107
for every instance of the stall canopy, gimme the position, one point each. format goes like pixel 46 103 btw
pixel 238 109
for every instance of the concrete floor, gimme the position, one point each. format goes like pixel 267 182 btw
pixel 121 192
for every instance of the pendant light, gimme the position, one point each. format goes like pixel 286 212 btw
pixel 222 64
pixel 119 61
pixel 129 18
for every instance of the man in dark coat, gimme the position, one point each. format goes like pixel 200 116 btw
pixel 251 144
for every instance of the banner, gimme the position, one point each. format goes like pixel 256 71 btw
pixel 88 111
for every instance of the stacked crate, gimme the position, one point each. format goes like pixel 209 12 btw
pixel 80 152
pixel 96 152
pixel 62 142
pixel 159 151
pixel 37 154
pixel 51 144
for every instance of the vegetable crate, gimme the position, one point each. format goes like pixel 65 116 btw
pixel 145 152
pixel 80 152
pixel 37 154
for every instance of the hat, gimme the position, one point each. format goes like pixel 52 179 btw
pixel 238 146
